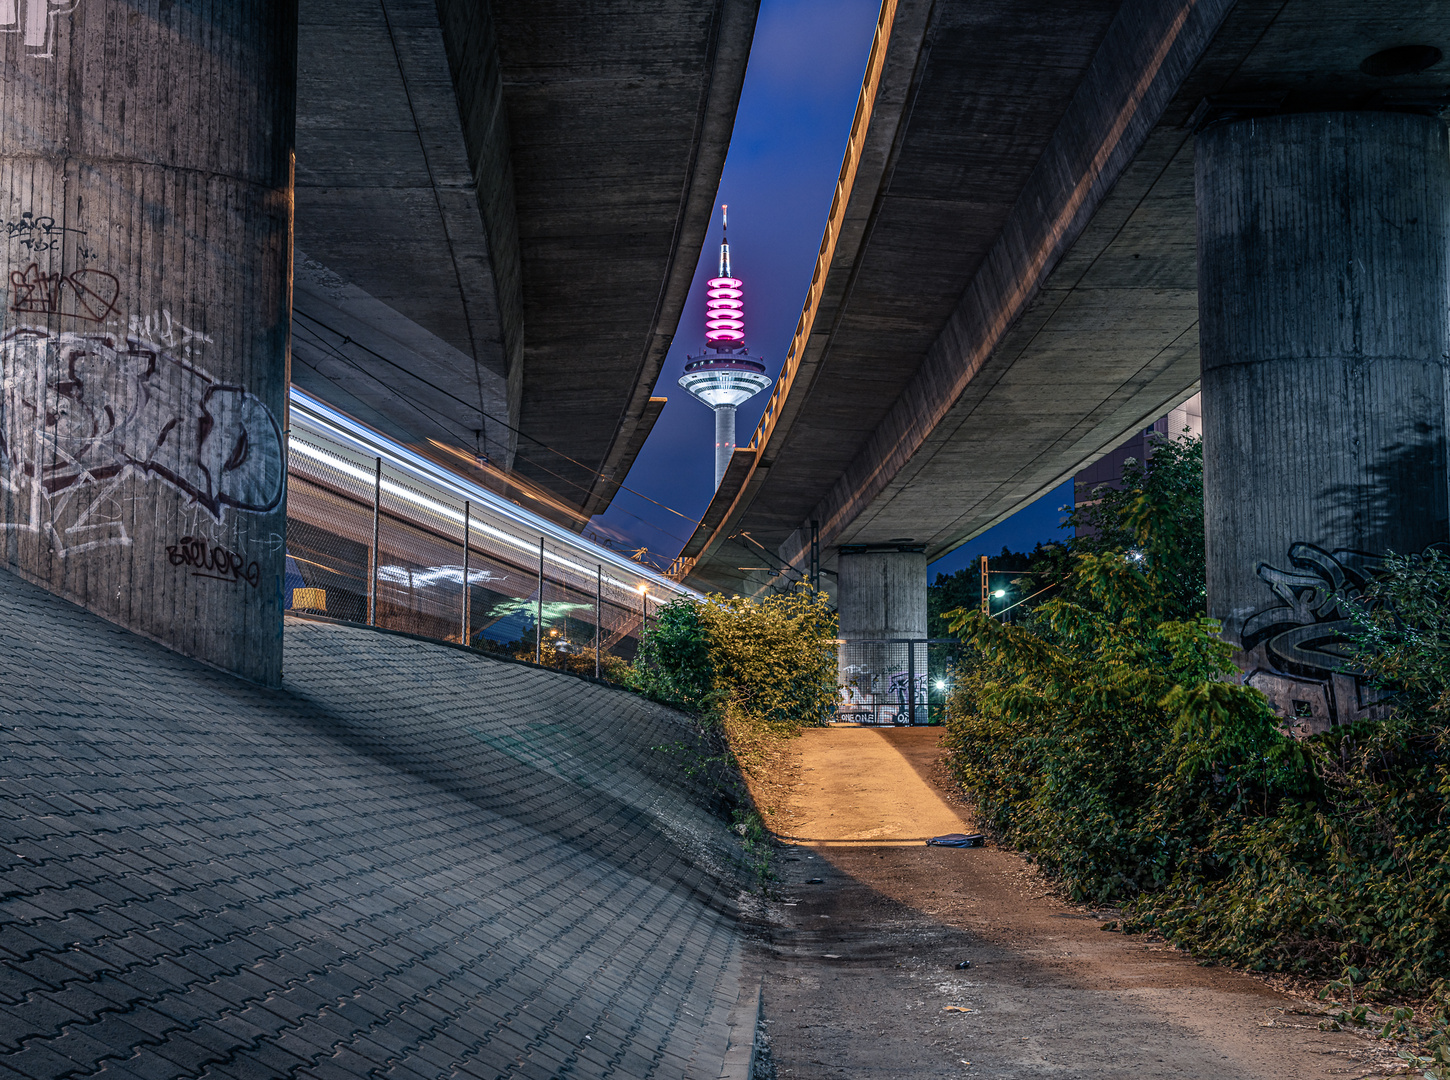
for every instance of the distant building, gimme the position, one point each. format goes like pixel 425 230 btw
pixel 1186 420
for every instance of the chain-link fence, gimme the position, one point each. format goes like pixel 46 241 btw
pixel 375 536
pixel 895 681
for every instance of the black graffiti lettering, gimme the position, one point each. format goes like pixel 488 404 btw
pixel 215 561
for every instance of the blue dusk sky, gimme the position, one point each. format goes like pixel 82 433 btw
pixel 795 112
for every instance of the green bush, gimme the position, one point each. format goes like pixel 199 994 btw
pixel 768 663
pixel 672 664
pixel 1109 738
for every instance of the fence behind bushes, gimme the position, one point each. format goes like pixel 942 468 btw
pixel 378 534
pixel 895 680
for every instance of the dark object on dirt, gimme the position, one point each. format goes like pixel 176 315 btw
pixel 956 839
pixel 964 965
pixel 814 881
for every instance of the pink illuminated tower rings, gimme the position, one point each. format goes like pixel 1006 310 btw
pixel 725 375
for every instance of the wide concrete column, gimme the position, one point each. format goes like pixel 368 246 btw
pixel 881 593
pixel 145 195
pixel 1324 304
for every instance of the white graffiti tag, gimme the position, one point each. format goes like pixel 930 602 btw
pixel 36 20
pixel 163 328
pixel 79 413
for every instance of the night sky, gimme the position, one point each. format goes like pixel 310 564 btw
pixel 800 93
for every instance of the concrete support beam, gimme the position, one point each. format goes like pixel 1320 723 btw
pixel 1324 297
pixel 146 195
pixel 882 592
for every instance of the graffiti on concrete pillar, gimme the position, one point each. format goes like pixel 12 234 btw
pixel 87 294
pixel 35 20
pixel 37 232
pixel 165 330
pixel 80 414
pixel 1301 644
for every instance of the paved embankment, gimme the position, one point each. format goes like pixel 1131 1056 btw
pixel 411 861
pixel 863 981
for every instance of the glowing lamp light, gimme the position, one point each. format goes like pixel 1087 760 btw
pixel 1000 593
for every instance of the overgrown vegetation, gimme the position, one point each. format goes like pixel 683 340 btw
pixel 758 667
pixel 755 673
pixel 1107 736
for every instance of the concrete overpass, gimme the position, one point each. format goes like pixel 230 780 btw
pixel 1050 220
pixel 498 213
pixel 1007 284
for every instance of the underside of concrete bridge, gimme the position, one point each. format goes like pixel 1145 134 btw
pixel 498 210
pixel 1008 281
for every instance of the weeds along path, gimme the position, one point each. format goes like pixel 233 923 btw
pixel 861 971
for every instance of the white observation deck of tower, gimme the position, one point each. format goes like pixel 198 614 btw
pixel 725 375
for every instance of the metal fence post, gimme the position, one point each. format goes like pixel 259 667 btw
pixel 539 610
pixel 377 515
pixel 598 614
pixel 911 682
pixel 463 631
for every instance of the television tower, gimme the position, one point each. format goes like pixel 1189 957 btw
pixel 725 375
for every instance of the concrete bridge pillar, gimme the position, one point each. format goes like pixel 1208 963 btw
pixel 145 225
pixel 881 593
pixel 1324 304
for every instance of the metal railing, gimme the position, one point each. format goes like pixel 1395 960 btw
pixel 380 535
pixel 895 681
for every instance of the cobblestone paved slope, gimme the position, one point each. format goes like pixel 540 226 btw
pixel 409 862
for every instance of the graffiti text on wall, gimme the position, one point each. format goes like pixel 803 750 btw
pixel 35 19
pixel 1302 644
pixel 80 413
pixel 1306 632
pixel 213 561
pixel 37 232
pixel 83 294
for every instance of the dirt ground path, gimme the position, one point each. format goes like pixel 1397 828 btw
pixel 862 979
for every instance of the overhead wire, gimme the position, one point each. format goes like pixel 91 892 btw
pixel 488 415
pixel 422 410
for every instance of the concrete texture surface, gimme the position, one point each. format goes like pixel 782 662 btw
pixel 145 198
pixel 1324 246
pixel 881 593
pixel 409 861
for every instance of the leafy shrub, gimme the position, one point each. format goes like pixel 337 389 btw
pixel 673 661
pixel 1109 738
pixel 774 660
pixel 754 673
pixel 768 662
